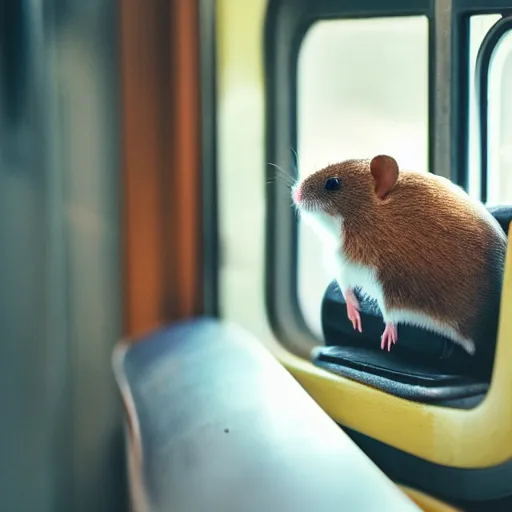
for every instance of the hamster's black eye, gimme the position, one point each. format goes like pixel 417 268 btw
pixel 332 184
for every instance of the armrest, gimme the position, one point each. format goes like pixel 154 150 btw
pixel 219 424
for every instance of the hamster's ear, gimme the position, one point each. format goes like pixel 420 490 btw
pixel 384 170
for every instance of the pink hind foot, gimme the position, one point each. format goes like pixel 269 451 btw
pixel 353 309
pixel 389 336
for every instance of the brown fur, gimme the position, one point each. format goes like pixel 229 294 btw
pixel 434 251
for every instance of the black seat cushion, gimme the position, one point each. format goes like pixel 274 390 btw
pixel 417 353
pixel 503 214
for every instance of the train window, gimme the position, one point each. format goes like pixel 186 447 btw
pixel 362 90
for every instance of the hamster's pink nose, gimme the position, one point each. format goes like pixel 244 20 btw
pixel 297 195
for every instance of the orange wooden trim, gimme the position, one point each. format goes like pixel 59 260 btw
pixel 186 203
pixel 161 155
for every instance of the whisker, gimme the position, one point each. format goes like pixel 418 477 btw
pixel 273 182
pixel 296 159
pixel 283 175
pixel 279 168
pixel 284 179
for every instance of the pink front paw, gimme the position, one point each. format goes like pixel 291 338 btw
pixel 389 336
pixel 354 317
pixel 353 310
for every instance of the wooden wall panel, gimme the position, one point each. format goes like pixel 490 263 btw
pixel 161 153
pixel 186 201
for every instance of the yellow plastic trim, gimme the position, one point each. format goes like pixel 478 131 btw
pixel 425 502
pixel 481 437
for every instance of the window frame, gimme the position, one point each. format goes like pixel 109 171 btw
pixel 286 24
pixel 209 241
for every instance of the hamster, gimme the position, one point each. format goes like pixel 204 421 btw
pixel 417 244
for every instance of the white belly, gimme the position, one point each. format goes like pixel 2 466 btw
pixel 356 277
pixel 348 274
